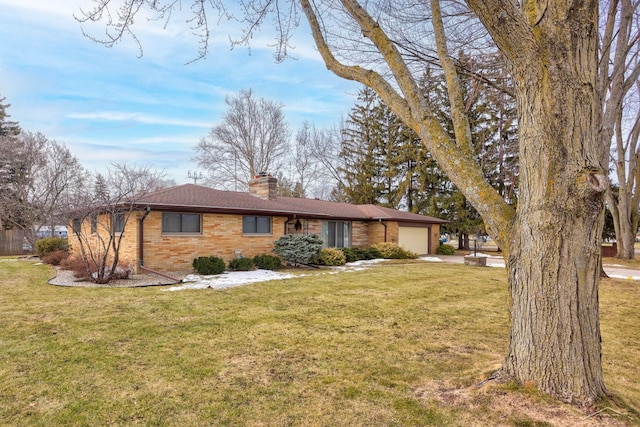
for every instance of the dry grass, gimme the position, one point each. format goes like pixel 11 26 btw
pixel 633 263
pixel 394 345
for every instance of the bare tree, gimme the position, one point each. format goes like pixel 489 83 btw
pixel 39 180
pixel 551 241
pixel 620 96
pixel 100 225
pixel 253 137
pixel 325 149
pixel 305 169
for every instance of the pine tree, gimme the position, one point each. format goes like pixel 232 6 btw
pixel 7 128
pixel 491 112
pixel 9 165
pixel 360 153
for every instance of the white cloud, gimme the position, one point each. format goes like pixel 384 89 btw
pixel 107 105
pixel 118 116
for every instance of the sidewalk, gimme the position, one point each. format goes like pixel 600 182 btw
pixel 615 271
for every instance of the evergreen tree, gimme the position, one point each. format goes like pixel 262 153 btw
pixel 384 162
pixel 491 112
pixel 360 151
pixel 11 168
pixel 7 128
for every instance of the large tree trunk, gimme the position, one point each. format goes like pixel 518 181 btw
pixel 554 256
pixel 552 242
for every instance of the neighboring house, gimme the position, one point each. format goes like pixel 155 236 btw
pixel 177 224
pixel 58 231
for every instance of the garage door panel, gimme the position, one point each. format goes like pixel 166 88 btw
pixel 415 239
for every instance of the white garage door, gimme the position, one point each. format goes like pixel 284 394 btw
pixel 416 239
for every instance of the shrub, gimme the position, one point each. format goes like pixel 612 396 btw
pixel 267 262
pixel 122 271
pixel 51 244
pixel 390 250
pixel 208 265
pixel 55 257
pixel 79 268
pixel 357 254
pixel 350 255
pixel 77 265
pixel 298 248
pixel 369 253
pixel 331 257
pixel 445 250
pixel 241 264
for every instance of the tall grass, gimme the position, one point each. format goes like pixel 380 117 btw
pixel 393 345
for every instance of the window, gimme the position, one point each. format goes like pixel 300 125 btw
pixel 336 234
pixel 77 225
pixel 94 224
pixel 256 225
pixel 180 223
pixel 118 223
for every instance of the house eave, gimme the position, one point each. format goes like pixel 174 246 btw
pixel 282 212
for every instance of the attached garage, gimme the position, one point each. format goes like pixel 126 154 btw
pixel 415 237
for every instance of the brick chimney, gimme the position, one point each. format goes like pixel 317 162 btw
pixel 263 186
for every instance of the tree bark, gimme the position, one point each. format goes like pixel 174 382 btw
pixel 554 258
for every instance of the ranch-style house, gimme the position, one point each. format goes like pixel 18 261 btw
pixel 172 226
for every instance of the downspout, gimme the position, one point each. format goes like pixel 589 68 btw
pixel 385 228
pixel 147 211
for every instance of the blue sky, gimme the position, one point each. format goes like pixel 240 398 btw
pixel 108 105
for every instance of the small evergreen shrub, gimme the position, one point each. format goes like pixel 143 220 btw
pixel 51 244
pixel 369 253
pixel 55 257
pixel 298 248
pixel 209 265
pixel 331 257
pixel 358 254
pixel 390 250
pixel 267 262
pixel 445 250
pixel 350 254
pixel 241 264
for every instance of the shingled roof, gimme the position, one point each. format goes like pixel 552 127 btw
pixel 196 198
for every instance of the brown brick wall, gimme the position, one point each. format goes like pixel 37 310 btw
pixel 392 231
pixel 377 232
pixel 360 234
pixel 128 246
pixel 307 226
pixel 222 235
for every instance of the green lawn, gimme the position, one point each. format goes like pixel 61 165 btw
pixel 394 345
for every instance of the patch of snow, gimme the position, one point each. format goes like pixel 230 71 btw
pixel 365 262
pixel 229 279
pixel 237 278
